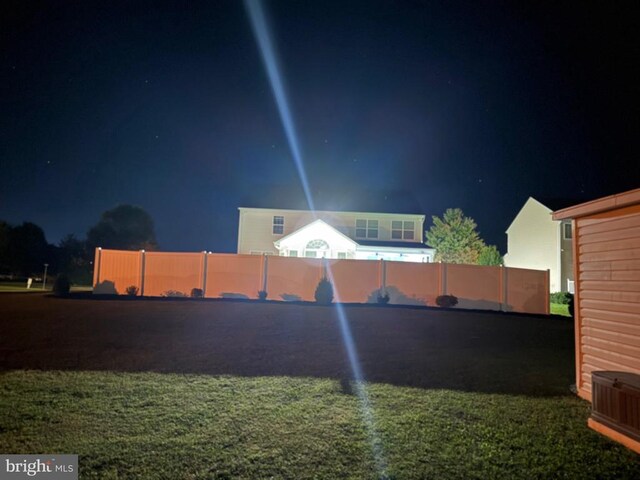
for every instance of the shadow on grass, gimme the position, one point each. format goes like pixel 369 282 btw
pixel 401 345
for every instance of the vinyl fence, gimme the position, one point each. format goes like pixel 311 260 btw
pixel 222 275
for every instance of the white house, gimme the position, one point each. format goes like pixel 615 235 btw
pixel 327 234
pixel 536 241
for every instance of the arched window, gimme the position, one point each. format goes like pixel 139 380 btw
pixel 316 248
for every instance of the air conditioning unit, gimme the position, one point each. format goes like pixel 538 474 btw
pixel 616 401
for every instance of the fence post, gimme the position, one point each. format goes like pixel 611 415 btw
pixel 382 276
pixel 547 294
pixel 204 274
pixel 442 290
pixel 142 273
pixel 96 266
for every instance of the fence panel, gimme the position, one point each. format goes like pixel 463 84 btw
pixel 117 270
pixel 527 290
pixel 412 283
pixel 356 281
pixel 475 286
pixel 233 276
pixel 293 279
pixel 172 274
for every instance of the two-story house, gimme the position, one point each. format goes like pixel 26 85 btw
pixel 536 241
pixel 330 234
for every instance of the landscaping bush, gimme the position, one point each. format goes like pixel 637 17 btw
pixel 324 292
pixel 382 299
pixel 447 301
pixel 132 290
pixel 571 305
pixel 197 293
pixel 262 295
pixel 61 286
pixel 560 297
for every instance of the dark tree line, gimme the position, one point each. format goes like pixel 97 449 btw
pixel 24 249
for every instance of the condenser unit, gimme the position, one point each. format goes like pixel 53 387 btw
pixel 616 401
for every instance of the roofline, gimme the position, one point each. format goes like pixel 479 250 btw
pixel 364 248
pixel 522 208
pixel 599 205
pixel 332 211
pixel 304 227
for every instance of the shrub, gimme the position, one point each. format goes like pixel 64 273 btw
pixel 61 286
pixel 262 295
pixel 382 299
pixel 447 301
pixel 571 305
pixel 132 290
pixel 324 292
pixel 197 293
pixel 560 297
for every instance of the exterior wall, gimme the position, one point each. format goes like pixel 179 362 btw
pixel 608 294
pixel 290 279
pixel 255 233
pixel 534 241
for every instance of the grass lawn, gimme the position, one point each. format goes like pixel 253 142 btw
pixel 560 309
pixel 187 389
pixel 37 287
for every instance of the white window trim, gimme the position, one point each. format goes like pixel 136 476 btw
pixel 403 230
pixel 274 224
pixel 367 228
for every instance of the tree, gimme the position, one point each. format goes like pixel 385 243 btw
pixel 74 260
pixel 27 249
pixel 455 238
pixel 490 255
pixel 5 235
pixel 125 227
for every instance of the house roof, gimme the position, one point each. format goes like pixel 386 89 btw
pixel 310 225
pixel 631 197
pixel 369 243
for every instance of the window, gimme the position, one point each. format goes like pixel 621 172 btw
pixel 367 228
pixel 342 255
pixel 260 252
pixel 293 253
pixel 402 230
pixel 566 231
pixel 278 225
pixel 311 253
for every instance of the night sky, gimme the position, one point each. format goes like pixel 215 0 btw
pixel 432 105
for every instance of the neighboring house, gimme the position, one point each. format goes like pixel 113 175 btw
pixel 607 311
pixel 536 241
pixel 327 234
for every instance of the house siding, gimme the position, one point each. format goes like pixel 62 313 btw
pixel 534 241
pixel 608 304
pixel 255 226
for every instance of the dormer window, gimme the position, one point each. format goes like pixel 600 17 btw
pixel 366 228
pixel 402 230
pixel 278 225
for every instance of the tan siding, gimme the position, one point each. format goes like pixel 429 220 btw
pixel 609 292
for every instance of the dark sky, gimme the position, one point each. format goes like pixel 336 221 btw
pixel 166 105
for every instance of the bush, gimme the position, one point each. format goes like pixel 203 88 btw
pixel 132 290
pixel 324 292
pixel 382 299
pixel 262 295
pixel 197 293
pixel 560 297
pixel 61 286
pixel 447 301
pixel 571 305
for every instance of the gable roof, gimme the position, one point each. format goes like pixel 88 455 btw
pixel 311 225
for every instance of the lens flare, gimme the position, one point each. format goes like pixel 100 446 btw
pixel 261 33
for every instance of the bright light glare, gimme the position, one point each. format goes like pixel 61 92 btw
pixel 261 33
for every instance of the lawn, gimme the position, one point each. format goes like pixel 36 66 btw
pixel 560 309
pixel 223 389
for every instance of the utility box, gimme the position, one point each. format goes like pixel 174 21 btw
pixel 616 402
